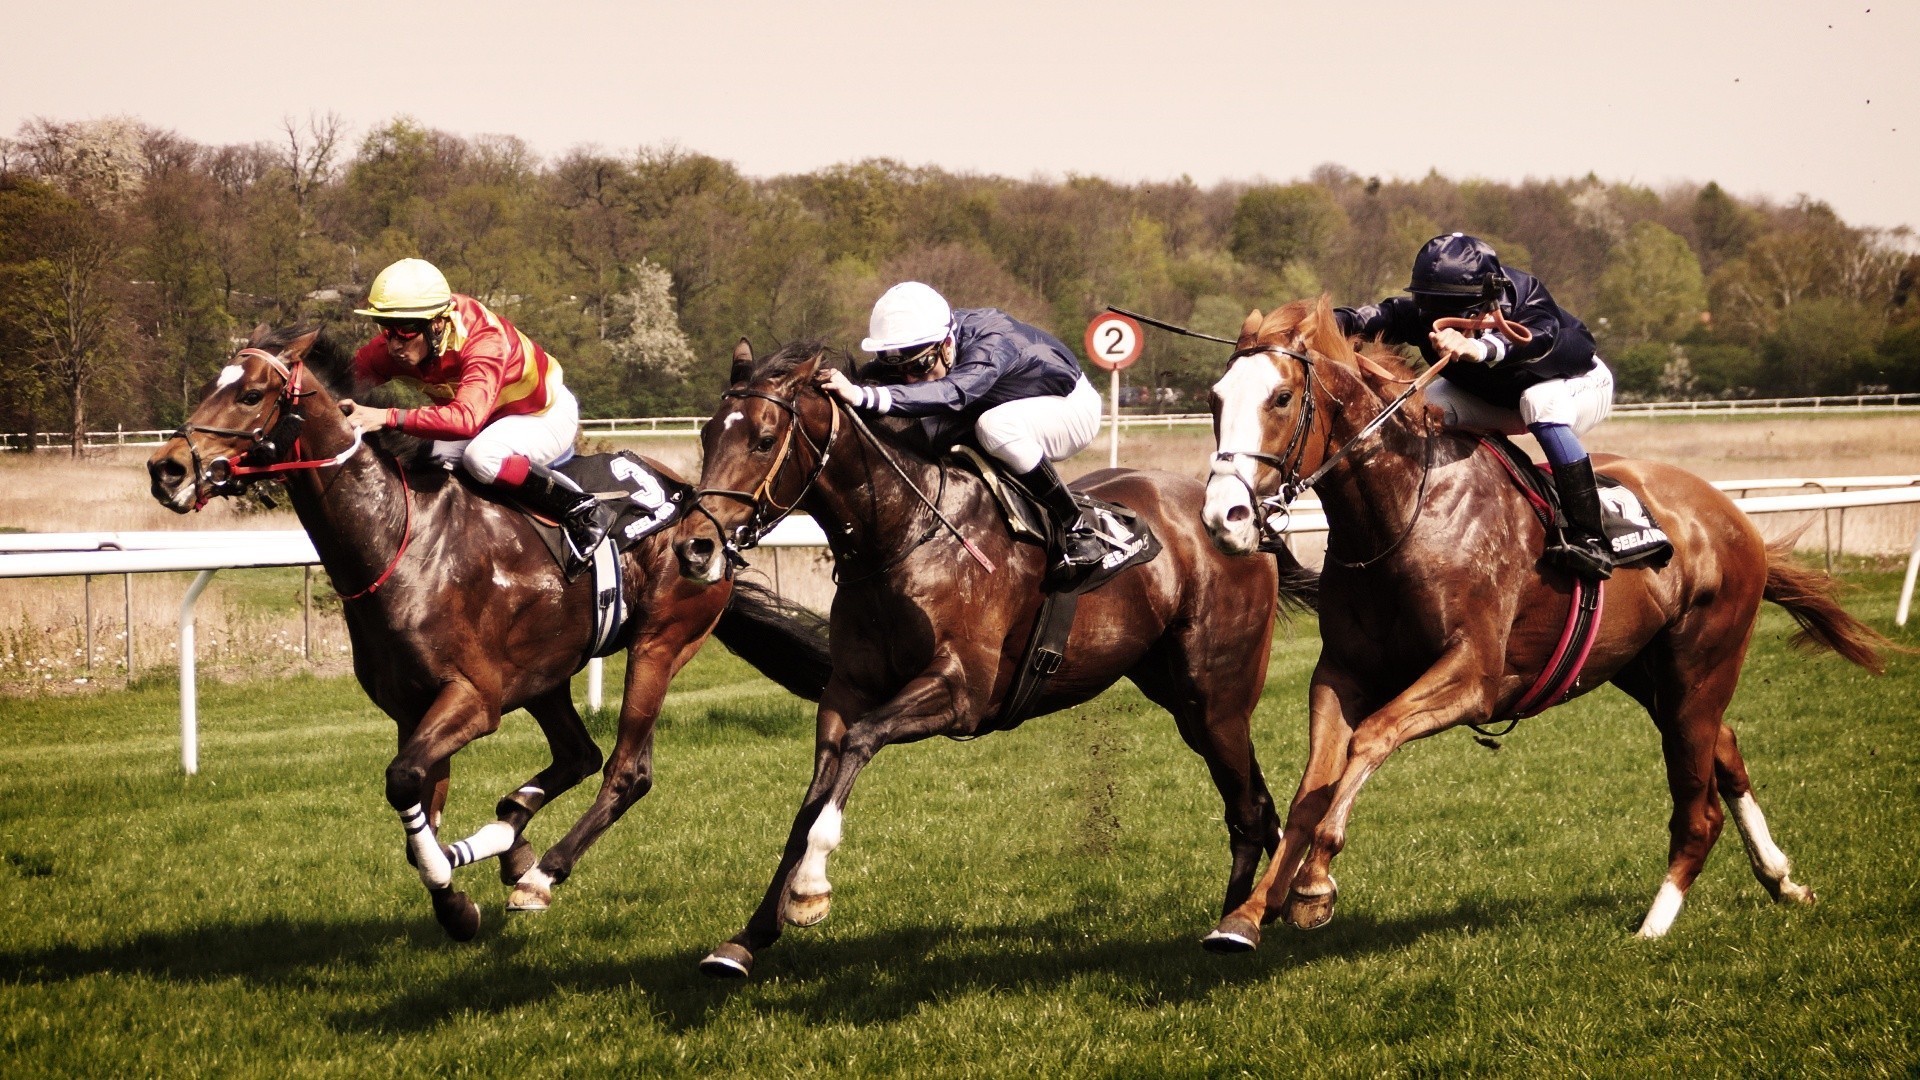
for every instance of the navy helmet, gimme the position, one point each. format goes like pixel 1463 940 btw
pixel 1456 272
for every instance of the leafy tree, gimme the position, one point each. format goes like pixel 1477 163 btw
pixel 1273 226
pixel 1652 288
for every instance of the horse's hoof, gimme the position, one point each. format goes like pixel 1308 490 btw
pixel 525 897
pixel 516 862
pixel 1235 934
pixel 459 916
pixel 806 910
pixel 729 961
pixel 1306 912
pixel 1792 892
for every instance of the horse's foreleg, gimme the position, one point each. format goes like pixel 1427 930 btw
pixel 800 892
pixel 1769 863
pixel 1333 703
pixel 575 757
pixel 417 775
pixel 659 651
pixel 1454 690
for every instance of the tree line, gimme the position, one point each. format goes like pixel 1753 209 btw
pixel 131 259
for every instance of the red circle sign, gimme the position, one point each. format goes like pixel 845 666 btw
pixel 1113 341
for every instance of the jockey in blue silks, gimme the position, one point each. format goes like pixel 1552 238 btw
pixel 1016 386
pixel 1552 385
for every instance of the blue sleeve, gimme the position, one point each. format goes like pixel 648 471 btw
pixel 976 371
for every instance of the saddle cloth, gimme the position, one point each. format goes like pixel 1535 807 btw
pixel 1635 537
pixel 1129 540
pixel 645 501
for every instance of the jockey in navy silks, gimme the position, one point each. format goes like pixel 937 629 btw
pixel 1552 385
pixel 1018 389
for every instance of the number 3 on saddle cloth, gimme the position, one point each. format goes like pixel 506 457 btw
pixel 647 502
pixel 1636 539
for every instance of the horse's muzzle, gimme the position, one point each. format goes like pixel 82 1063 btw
pixel 1230 517
pixel 172 483
pixel 701 559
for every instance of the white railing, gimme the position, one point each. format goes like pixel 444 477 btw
pixel 24 555
pixel 689 426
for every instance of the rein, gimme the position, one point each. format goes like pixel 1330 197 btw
pixel 755 529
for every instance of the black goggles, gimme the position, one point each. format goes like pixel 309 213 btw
pixel 405 329
pixel 917 356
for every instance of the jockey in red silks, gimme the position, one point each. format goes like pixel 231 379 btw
pixel 499 406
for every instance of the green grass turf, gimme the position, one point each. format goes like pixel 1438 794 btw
pixel 1031 902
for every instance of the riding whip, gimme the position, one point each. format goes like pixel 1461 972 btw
pixel 1150 321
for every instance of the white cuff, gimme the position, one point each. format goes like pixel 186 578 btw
pixel 882 401
pixel 1495 346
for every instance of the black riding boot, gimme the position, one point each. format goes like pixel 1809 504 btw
pixel 1582 548
pixel 1075 543
pixel 582 517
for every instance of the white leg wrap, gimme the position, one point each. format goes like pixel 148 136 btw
pixel 494 838
pixel 435 871
pixel 810 877
pixel 536 878
pixel 1766 856
pixel 1666 905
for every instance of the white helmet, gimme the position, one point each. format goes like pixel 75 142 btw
pixel 906 315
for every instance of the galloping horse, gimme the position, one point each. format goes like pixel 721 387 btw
pixel 1434 614
pixel 458 614
pixel 927 640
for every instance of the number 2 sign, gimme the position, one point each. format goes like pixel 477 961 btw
pixel 1113 341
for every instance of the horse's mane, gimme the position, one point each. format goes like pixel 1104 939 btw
pixel 1312 324
pixel 902 432
pixel 332 363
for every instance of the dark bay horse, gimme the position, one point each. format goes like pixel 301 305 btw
pixel 1434 612
pixel 926 640
pixel 458 614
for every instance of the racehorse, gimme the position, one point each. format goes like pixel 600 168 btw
pixel 1434 613
pixel 457 613
pixel 937 601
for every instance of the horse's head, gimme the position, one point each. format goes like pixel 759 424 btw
pixel 252 415
pixel 1264 414
pixel 760 456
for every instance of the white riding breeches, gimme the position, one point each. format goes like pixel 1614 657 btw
pixel 1025 432
pixel 542 438
pixel 1580 403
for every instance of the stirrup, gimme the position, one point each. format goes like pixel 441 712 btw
pixel 1585 557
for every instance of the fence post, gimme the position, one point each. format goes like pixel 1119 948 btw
pixel 128 584
pixel 86 604
pixel 189 696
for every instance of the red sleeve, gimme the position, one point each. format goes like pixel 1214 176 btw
pixel 483 369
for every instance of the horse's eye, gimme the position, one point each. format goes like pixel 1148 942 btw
pixel 765 444
pixel 251 397
pixel 1282 399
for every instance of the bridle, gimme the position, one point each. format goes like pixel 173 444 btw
pixel 222 476
pixel 1288 463
pixel 754 529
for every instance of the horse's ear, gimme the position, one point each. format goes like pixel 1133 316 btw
pixel 259 334
pixel 804 371
pixel 1250 328
pixel 296 349
pixel 742 362
pixel 1327 338
pixel 1273 327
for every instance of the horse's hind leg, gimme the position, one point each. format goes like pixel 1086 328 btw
pixel 674 631
pixel 1769 862
pixel 575 758
pixel 1214 718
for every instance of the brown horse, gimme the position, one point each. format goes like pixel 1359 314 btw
pixel 1434 612
pixel 927 640
pixel 458 614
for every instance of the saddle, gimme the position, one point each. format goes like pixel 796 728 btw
pixel 646 502
pixel 1131 542
pixel 1636 539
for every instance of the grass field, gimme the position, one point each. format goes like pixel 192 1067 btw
pixel 1030 903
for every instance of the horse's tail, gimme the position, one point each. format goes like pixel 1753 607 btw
pixel 785 642
pixel 1807 595
pixel 1299 586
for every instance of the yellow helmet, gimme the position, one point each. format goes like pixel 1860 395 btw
pixel 409 289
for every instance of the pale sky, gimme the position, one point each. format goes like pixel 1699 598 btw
pixel 1772 98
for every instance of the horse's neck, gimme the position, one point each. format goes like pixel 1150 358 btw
pixel 865 507
pixel 355 512
pixel 1371 495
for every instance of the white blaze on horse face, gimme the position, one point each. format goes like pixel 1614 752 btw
pixel 228 376
pixel 1243 393
pixel 810 877
pixel 727 424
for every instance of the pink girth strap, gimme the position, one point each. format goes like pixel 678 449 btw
pixel 1541 696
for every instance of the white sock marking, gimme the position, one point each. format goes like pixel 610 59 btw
pixel 1666 905
pixel 536 878
pixel 1764 853
pixel 810 877
pixel 435 870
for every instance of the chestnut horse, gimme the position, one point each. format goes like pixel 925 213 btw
pixel 927 639
pixel 458 614
pixel 1435 612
